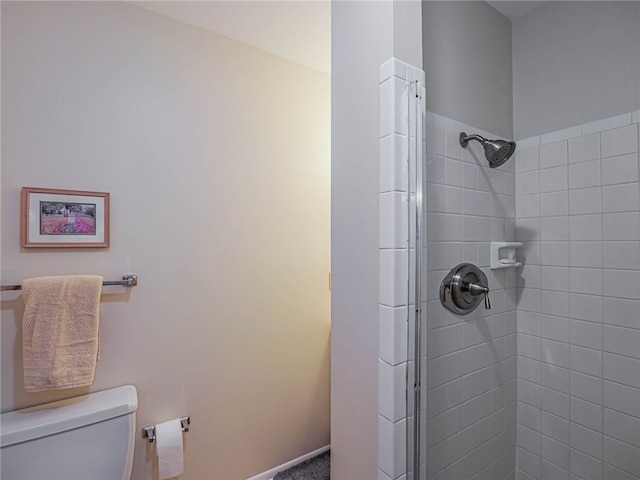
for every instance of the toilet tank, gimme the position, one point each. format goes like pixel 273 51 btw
pixel 86 437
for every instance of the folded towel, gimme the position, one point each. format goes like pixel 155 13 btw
pixel 60 331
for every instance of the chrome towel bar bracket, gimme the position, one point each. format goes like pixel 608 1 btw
pixel 150 432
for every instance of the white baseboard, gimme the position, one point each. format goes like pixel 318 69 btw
pixel 269 474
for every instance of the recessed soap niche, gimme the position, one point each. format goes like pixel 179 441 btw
pixel 503 255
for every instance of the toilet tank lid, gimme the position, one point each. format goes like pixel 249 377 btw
pixel 51 418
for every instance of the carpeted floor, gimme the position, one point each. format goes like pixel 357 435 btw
pixel 316 468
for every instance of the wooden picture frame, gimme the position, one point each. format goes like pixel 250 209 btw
pixel 53 218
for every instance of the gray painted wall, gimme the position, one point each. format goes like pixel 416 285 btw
pixel 575 62
pixel 467 59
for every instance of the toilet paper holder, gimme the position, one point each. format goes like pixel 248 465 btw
pixel 150 432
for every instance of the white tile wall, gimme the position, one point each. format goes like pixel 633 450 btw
pixel 395 79
pixel 573 198
pixel 471 365
pixel 578 303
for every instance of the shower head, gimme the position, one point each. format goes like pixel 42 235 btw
pixel 496 151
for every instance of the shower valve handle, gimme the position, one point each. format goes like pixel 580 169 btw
pixel 461 289
pixel 475 288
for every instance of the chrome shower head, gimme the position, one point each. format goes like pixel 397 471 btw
pixel 496 151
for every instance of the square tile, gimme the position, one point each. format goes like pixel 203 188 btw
pixel 393 268
pixel 585 201
pixel 453 199
pixel 622 398
pixel 621 455
pixel 554 427
pixel 619 141
pixel 555 452
pixel 555 228
pixel 391 396
pixel 622 427
pixel 621 198
pixel 585 307
pixel 453 172
pixel 555 353
pixel 554 377
pixel 528 439
pixel 585 466
pixel 555 253
pixel 585 254
pixel 555 328
pixel 528 206
pixel 590 227
pixel 435 140
pixel 586 281
pixel 527 159
pixel 525 143
pixel 552 179
pixel 393 68
pixel 585 148
pixel 621 283
pixel 620 340
pixel 586 360
pixel 607 124
pixel 469 176
pixel 453 149
pixel 528 183
pixel 435 170
pixel 554 203
pixel 621 369
pixel 554 402
pixel 528 392
pixel 621 226
pixel 585 174
pixel 554 303
pixel 621 255
pixel 393 170
pixel 393 335
pixel 561 135
pixel 436 198
pixel 586 413
pixel 621 311
pixel 529 369
pixel 621 169
pixel 555 278
pixel 392 447
pixel 528 463
pixel 553 154
pixel 393 218
pixel 586 440
pixel 586 334
pixel 586 387
pixel 549 470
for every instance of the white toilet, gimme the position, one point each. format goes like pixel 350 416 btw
pixel 85 438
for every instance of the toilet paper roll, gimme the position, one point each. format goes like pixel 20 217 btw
pixel 169 449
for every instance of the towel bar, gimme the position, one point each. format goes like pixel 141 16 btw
pixel 150 431
pixel 127 281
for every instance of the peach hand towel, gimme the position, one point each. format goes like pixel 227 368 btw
pixel 60 331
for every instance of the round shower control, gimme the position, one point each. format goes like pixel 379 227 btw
pixel 464 288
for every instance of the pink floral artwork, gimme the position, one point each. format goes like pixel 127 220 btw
pixel 67 219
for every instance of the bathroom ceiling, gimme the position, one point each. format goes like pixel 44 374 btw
pixel 296 30
pixel 299 31
pixel 514 9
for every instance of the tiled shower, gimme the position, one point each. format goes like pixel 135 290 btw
pixel 471 360
pixel 577 214
pixel 544 385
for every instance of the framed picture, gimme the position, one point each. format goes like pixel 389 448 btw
pixel 64 218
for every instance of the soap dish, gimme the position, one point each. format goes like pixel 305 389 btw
pixel 503 255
